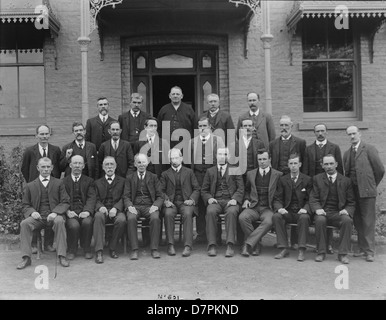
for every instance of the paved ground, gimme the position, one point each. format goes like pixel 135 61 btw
pixel 198 276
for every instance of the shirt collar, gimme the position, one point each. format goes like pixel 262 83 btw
pixel 224 166
pixel 247 140
pixel 178 168
pixel 323 143
pixel 296 177
pixel 214 113
pixel 266 170
pixel 333 176
pixel 254 113
pixel 101 117
pixel 357 145
pixel 282 138
pixel 132 112
pixel 112 141
pixel 207 137
pixel 150 138
pixel 112 177
pixel 144 174
pixel 41 149
pixel 73 177
pixel 83 143
pixel 41 178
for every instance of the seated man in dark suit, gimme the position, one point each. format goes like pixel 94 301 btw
pixel 291 206
pixel 143 198
pixel 258 204
pixel 222 192
pixel 333 202
pixel 79 220
pixel 182 191
pixel 108 209
pixel 45 201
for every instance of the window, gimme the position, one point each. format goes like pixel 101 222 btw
pixel 330 75
pixel 22 93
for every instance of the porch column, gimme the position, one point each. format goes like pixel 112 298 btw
pixel 267 38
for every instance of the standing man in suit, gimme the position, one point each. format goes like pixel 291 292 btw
pixel 119 149
pixel 333 203
pixel 177 114
pixel 182 191
pixel 291 206
pixel 143 198
pixel 132 121
pixel 313 158
pixel 45 201
pixel 97 127
pixel 108 209
pixel 365 169
pixel 258 204
pixel 79 220
pixel 263 122
pixel 82 148
pixel 218 119
pixel 203 150
pixel 222 193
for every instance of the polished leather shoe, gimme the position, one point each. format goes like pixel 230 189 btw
pixel 25 263
pixel 63 261
pixel 134 255
pixel 212 251
pixel 301 257
pixel 359 254
pixel 88 255
pixel 343 258
pixel 245 250
pixel 330 250
pixel 99 257
pixel 155 254
pixel 113 254
pixel 187 251
pixel 171 250
pixel 282 254
pixel 370 258
pixel 50 248
pixel 320 257
pixel 70 256
pixel 34 250
pixel 229 252
pixel 257 250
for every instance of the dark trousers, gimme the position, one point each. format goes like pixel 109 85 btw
pixel 187 219
pixel 99 228
pixel 280 222
pixel 29 225
pixel 154 225
pixel 343 222
pixel 231 213
pixel 78 228
pixel 200 219
pixel 246 219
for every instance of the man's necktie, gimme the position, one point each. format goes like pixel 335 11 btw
pixel 320 145
pixel 109 180
pixel 354 149
pixel 141 176
pixel 76 179
pixel 45 182
pixel 81 145
pixel 293 179
pixel 203 140
pixel 263 173
pixel 44 152
pixel 221 171
pixel 115 146
pixel 135 114
pixel 330 177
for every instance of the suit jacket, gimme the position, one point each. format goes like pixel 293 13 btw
pixel 153 185
pixel 57 197
pixel 320 190
pixel 97 131
pixel 369 169
pixel 255 144
pixel 189 185
pixel 223 121
pixel 251 191
pixel 283 194
pixel 117 188
pixel 87 190
pixel 30 160
pixel 195 149
pixel 91 160
pixel 234 182
pixel 297 145
pixel 309 164
pixel 265 128
pixel 124 157
pixel 124 121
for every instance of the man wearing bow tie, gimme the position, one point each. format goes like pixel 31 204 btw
pixel 108 209
pixel 133 120
pixel 366 170
pixel 291 206
pixel 97 127
pixel 45 202
pixel 79 220
pixel 119 149
pixel 332 202
pixel 222 193
pixel 82 148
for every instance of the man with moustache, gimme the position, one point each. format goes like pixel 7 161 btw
pixel 366 170
pixel 79 220
pixel 82 148
pixel 262 122
pixel 108 209
pixel 97 127
pixel 143 198
pixel 132 121
pixel 182 192
pixel 119 149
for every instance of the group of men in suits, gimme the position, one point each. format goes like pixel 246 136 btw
pixel 273 187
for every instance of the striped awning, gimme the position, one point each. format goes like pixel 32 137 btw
pixel 30 11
